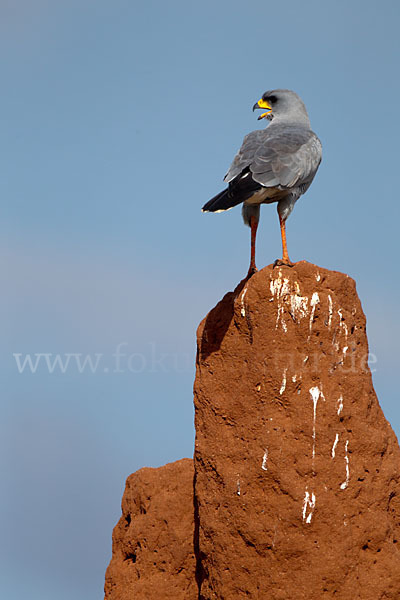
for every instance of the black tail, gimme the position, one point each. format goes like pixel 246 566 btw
pixel 240 189
pixel 222 201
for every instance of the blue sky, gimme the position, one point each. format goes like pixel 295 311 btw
pixel 119 120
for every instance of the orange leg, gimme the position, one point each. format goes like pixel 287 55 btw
pixel 285 255
pixel 253 227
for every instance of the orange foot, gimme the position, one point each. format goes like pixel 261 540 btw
pixel 280 262
pixel 251 271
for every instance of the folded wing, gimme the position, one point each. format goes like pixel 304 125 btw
pixel 281 157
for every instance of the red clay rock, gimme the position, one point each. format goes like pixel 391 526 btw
pixel 297 487
pixel 297 471
pixel 153 556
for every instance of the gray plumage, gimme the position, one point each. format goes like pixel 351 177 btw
pixel 276 164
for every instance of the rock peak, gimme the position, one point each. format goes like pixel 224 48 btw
pixel 297 480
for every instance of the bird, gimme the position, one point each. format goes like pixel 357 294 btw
pixel 274 164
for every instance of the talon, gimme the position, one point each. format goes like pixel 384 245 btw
pixel 283 263
pixel 251 272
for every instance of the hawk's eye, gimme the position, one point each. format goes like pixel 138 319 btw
pixel 272 99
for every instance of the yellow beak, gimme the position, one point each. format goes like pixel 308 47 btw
pixel 262 104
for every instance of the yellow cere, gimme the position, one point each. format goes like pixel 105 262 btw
pixel 264 104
